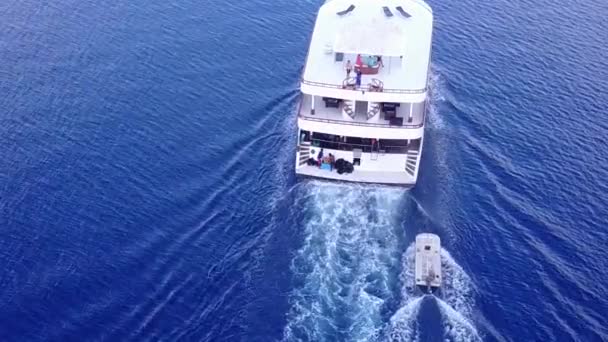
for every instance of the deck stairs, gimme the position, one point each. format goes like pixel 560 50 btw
pixel 304 149
pixel 374 109
pixel 348 108
pixel 410 161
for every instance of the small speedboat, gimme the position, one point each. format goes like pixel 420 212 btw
pixel 428 262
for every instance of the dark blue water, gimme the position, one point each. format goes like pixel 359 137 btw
pixel 147 188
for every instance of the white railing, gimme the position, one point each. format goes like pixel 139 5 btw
pixel 347 84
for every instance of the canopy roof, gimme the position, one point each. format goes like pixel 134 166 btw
pixel 374 27
pixel 372 35
pixel 388 28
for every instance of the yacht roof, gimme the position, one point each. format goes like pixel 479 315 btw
pixel 370 35
pixel 372 27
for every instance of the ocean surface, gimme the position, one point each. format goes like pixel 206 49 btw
pixel 147 190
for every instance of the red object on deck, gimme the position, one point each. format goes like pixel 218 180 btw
pixel 365 70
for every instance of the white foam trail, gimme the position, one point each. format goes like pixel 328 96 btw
pixel 403 323
pixel 457 327
pixel 284 152
pixel 437 95
pixel 458 301
pixel 457 287
pixel 408 289
pixel 438 146
pixel 343 271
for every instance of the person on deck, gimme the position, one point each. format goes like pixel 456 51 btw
pixel 358 79
pixel 320 157
pixel 358 62
pixel 349 68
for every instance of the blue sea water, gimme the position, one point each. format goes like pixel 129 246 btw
pixel 147 190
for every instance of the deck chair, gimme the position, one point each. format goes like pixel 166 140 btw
pixel 403 12
pixel 349 9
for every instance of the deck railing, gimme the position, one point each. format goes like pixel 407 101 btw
pixel 384 90
pixel 365 124
pixel 365 148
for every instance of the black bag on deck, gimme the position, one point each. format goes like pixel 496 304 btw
pixel 340 164
pixel 343 166
pixel 348 167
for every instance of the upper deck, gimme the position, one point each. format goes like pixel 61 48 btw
pixel 398 31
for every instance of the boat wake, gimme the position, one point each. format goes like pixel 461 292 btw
pixel 438 91
pixel 403 325
pixel 456 326
pixel 350 272
pixel 458 301
pixel 455 303
pixel 345 271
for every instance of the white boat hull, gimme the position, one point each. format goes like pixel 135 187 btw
pixel 428 262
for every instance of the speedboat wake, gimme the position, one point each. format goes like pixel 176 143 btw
pixel 455 303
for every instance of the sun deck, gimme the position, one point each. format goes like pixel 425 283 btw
pixel 402 41
pixel 329 72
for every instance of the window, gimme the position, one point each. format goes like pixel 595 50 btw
pixel 304 135
pixel 346 143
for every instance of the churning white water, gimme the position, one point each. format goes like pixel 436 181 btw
pixel 347 263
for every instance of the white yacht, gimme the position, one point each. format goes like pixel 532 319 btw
pixel 364 92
